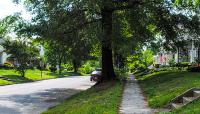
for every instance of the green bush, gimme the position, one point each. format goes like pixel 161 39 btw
pixel 193 64
pixel 86 69
pixel 194 69
pixel 121 73
pixel 198 61
pixel 89 66
pixel 156 65
pixel 132 67
pixel 52 69
pixel 68 67
pixel 165 69
pixel 172 63
pixel 95 64
pixel 182 64
pixel 135 66
pixel 7 65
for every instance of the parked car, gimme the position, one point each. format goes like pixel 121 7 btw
pixel 96 75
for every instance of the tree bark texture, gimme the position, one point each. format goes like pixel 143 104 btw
pixel 107 57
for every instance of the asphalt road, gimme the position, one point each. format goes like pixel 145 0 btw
pixel 36 97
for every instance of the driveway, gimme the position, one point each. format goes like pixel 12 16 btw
pixel 36 97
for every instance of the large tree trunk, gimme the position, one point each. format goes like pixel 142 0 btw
pixel 75 66
pixel 107 60
pixel 22 73
pixel 75 69
pixel 60 67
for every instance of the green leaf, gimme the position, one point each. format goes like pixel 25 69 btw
pixel 196 3
pixel 177 2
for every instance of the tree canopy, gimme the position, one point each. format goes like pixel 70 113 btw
pixel 119 26
pixel 22 54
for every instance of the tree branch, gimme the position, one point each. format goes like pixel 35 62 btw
pixel 130 4
pixel 78 27
pixel 90 10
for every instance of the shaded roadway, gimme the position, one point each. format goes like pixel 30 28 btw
pixel 36 97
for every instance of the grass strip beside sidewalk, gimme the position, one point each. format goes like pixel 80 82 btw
pixel 161 87
pixel 101 99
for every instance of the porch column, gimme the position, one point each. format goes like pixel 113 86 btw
pixel 1 58
pixel 176 55
pixel 192 53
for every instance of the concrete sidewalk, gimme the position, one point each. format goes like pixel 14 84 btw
pixel 133 101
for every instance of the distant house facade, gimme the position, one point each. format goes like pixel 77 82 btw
pixel 189 54
pixel 163 58
pixel 3 55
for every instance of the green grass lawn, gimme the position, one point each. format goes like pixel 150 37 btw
pixel 161 87
pixel 101 99
pixel 31 75
pixel 5 82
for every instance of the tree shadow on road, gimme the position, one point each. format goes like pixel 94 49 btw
pixel 64 74
pixel 35 102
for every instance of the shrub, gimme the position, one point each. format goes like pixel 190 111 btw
pixel 193 64
pixel 7 65
pixel 132 67
pixel 86 69
pixel 135 66
pixel 172 63
pixel 198 61
pixel 182 64
pixel 156 65
pixel 52 69
pixel 68 67
pixel 89 66
pixel 31 67
pixel 121 73
pixel 194 69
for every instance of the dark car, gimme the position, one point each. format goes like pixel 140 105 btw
pixel 96 75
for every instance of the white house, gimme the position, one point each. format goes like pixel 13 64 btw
pixel 163 58
pixel 190 54
pixel 3 55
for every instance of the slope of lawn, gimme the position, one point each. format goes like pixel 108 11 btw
pixel 100 99
pixel 5 82
pixel 31 75
pixel 161 87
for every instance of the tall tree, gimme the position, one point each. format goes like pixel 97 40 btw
pixel 67 17
pixel 7 23
pixel 147 57
pixel 21 53
pixel 56 54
